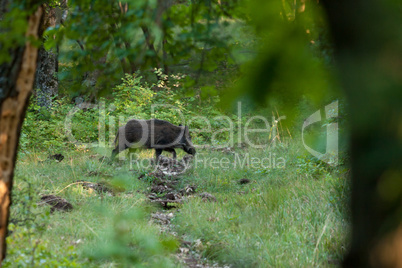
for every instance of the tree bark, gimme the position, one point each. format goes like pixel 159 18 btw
pixel 149 40
pixel 127 64
pixel 46 82
pixel 162 7
pixel 19 73
pixel 368 51
pixel 92 77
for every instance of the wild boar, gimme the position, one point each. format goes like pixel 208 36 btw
pixel 153 134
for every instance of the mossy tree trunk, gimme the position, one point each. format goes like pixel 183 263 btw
pixel 16 83
pixel 46 82
pixel 368 50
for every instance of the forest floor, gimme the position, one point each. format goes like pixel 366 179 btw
pixel 123 214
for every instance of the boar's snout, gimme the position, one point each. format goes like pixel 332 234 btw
pixel 188 149
pixel 191 150
pixel 188 146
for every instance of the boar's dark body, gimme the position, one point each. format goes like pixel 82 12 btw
pixel 153 134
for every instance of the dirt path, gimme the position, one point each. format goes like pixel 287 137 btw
pixel 164 191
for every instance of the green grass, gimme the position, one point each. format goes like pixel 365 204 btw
pixel 101 230
pixel 285 217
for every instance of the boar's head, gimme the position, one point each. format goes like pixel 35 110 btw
pixel 188 146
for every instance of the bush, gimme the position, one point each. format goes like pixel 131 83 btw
pixel 66 125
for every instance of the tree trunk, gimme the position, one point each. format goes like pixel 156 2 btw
pixel 367 37
pixel 92 77
pixel 46 83
pixel 162 7
pixel 149 40
pixel 16 82
pixel 127 64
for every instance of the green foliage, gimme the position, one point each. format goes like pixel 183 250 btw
pixel 100 36
pixel 41 127
pixel 132 97
pixel 36 252
pixel 127 243
pixel 13 26
pixel 28 226
pixel 67 125
pixel 293 58
pixel 46 127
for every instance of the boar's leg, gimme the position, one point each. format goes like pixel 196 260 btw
pixel 172 150
pixel 158 152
